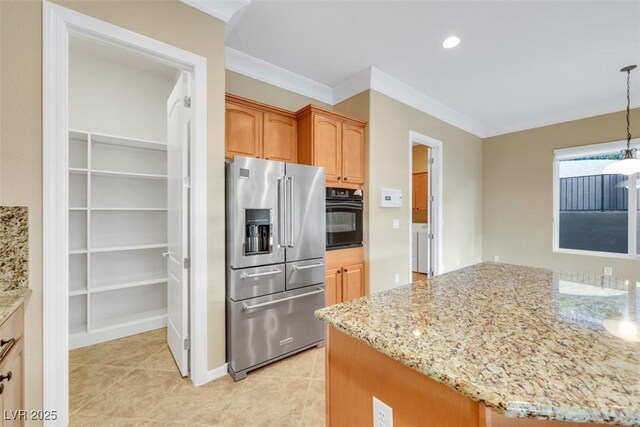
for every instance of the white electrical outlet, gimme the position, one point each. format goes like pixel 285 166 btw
pixel 496 258
pixel 396 224
pixel 608 271
pixel 396 278
pixel 382 414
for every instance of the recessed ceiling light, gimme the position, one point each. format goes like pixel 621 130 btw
pixel 450 42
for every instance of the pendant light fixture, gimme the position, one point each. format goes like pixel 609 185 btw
pixel 629 164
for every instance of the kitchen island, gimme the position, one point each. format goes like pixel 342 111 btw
pixel 488 345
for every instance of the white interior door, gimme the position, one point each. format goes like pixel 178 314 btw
pixel 178 223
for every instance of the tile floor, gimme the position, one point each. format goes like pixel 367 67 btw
pixel 133 381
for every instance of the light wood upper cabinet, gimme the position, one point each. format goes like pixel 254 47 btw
pixel 258 130
pixel 352 281
pixel 243 131
pixel 326 146
pixel 333 141
pixel 352 154
pixel 280 137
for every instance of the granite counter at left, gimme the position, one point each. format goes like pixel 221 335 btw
pixel 11 300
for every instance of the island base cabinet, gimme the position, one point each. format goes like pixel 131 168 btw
pixel 355 373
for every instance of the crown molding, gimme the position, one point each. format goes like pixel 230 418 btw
pixel 375 79
pixel 612 106
pixel 402 92
pixel 221 9
pixel 258 69
pixel 354 85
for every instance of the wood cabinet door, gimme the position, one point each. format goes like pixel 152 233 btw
pixel 327 152
pixel 332 284
pixel 422 189
pixel 243 131
pixel 352 154
pixel 12 391
pixel 280 138
pixel 352 281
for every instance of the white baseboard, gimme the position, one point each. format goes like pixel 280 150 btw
pixel 216 373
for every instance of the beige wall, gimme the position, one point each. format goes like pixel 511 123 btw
pixel 389 166
pixel 266 93
pixel 21 136
pixel 518 194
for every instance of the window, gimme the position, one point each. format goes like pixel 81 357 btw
pixel 595 214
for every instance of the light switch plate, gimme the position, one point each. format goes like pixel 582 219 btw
pixel 382 414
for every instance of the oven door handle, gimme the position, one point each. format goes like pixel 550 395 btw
pixel 357 206
pixel 246 307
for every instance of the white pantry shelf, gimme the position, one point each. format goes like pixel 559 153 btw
pixel 106 287
pixel 127 174
pixel 118 231
pixel 128 248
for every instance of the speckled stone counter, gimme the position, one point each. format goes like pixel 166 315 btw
pixel 14 247
pixel 525 342
pixel 11 300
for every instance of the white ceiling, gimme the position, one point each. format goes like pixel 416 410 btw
pixel 520 64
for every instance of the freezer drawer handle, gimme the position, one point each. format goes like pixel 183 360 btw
pixel 246 307
pixel 305 267
pixel 266 273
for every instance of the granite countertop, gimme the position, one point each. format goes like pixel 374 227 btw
pixel 11 300
pixel 525 342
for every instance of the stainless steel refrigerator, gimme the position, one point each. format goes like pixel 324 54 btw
pixel 275 261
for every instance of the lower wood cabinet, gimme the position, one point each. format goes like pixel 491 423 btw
pixel 345 275
pixel 12 370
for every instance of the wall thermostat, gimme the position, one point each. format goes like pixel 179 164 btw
pixel 390 198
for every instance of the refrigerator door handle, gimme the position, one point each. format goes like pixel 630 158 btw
pixel 246 307
pixel 282 207
pixel 289 211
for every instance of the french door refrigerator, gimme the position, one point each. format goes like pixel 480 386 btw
pixel 275 261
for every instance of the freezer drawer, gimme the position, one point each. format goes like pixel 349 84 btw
pixel 255 282
pixel 305 273
pixel 264 328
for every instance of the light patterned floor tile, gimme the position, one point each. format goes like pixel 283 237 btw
pixel 86 382
pixel 296 366
pixel 206 404
pixel 134 395
pixel 150 393
pixel 268 401
pixel 161 360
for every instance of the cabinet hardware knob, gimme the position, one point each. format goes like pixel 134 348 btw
pixel 4 342
pixel 1 388
pixel 6 377
pixel 338 271
pixel 345 178
pixel 338 178
pixel 345 270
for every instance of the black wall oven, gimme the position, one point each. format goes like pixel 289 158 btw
pixel 344 218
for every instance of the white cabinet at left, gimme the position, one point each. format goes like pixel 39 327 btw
pixel 117 236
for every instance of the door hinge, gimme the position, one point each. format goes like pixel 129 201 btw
pixel 431 161
pixel 430 273
pixel 187 343
pixel 186 263
pixel 430 235
pixel 432 198
pixel 186 182
pixel 187 101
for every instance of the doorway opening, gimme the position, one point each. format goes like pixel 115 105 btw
pixel 425 187
pixel 124 206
